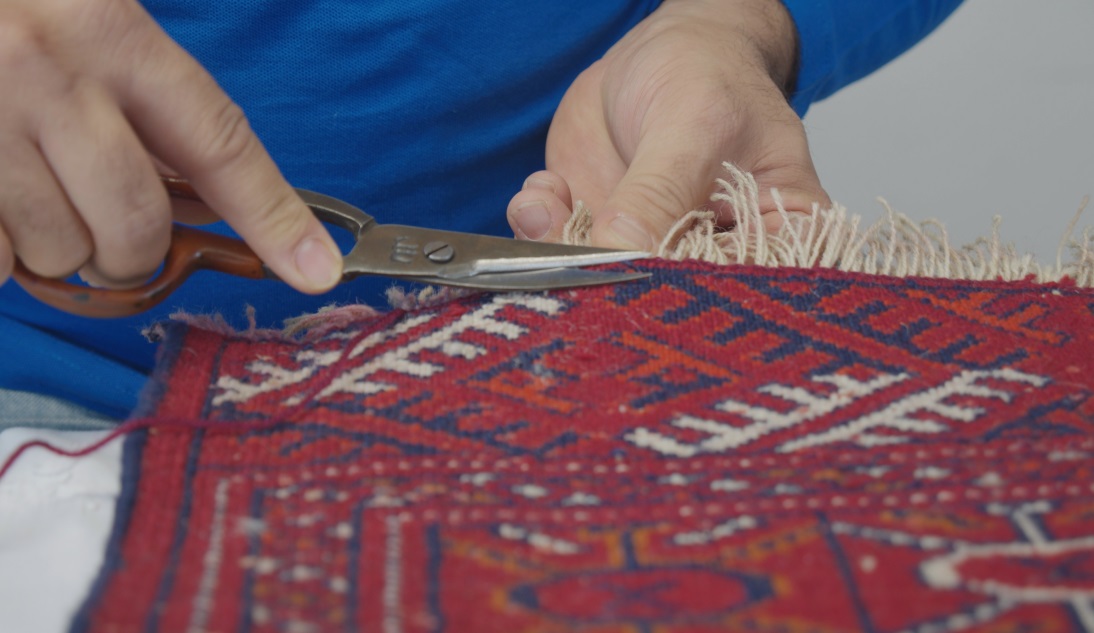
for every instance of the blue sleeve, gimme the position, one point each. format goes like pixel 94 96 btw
pixel 428 112
pixel 842 41
pixel 418 111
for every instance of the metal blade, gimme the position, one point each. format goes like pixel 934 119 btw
pixel 535 280
pixel 407 252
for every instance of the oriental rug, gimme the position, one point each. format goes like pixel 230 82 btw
pixel 711 449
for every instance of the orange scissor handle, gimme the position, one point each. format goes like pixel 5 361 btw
pixel 190 250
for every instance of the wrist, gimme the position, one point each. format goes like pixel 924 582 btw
pixel 762 29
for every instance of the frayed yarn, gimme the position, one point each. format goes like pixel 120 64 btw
pixel 316 325
pixel 304 328
pixel 833 238
pixel 216 323
pixel 430 296
pixel 308 327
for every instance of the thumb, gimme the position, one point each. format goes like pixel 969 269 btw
pixel 666 178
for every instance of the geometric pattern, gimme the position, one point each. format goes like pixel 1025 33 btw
pixel 709 449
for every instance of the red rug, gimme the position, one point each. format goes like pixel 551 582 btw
pixel 711 449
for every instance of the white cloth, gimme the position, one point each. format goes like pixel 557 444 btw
pixel 56 514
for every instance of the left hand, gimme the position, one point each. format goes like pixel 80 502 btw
pixel 641 135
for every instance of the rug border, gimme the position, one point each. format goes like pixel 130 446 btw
pixel 172 335
pixel 132 451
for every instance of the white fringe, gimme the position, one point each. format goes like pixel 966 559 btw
pixel 832 238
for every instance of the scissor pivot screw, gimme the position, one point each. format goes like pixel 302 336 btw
pixel 439 252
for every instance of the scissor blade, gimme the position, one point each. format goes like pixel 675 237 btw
pixel 409 252
pixel 535 280
pixel 541 256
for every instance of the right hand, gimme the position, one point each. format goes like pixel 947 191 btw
pixel 97 97
pixel 642 134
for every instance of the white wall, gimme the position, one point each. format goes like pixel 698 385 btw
pixel 993 114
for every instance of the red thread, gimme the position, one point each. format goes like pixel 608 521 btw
pixel 143 423
pixel 327 377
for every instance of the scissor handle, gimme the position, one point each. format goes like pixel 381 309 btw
pixel 190 250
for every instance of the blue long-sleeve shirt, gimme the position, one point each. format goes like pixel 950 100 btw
pixel 429 112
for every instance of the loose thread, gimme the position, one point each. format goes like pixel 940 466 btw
pixel 328 375
pixel 59 451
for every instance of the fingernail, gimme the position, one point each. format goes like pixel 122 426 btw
pixel 629 235
pixel 533 219
pixel 538 183
pixel 318 264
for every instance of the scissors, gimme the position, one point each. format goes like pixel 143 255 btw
pixel 408 253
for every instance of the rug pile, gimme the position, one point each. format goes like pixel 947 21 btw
pixel 714 448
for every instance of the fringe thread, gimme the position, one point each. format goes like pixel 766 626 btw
pixel 832 238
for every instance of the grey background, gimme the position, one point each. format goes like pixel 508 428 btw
pixel 993 114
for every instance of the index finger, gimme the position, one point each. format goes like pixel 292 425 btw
pixel 185 119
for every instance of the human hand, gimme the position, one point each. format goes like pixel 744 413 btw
pixel 98 99
pixel 641 135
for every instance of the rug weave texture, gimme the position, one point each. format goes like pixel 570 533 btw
pixel 711 449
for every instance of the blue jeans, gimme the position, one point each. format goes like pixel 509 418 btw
pixel 28 409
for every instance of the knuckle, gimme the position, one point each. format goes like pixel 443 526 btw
pixel 60 259
pixel 47 239
pixel 135 263
pixel 121 30
pixel 63 29
pixel 104 14
pixel 273 218
pixel 144 224
pixel 144 228
pixel 59 264
pixel 139 209
pixel 103 21
pixel 661 195
pixel 727 117
pixel 543 180
pixel 19 43
pixel 79 93
pixel 225 137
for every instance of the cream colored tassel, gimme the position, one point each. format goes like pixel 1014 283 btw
pixel 831 238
